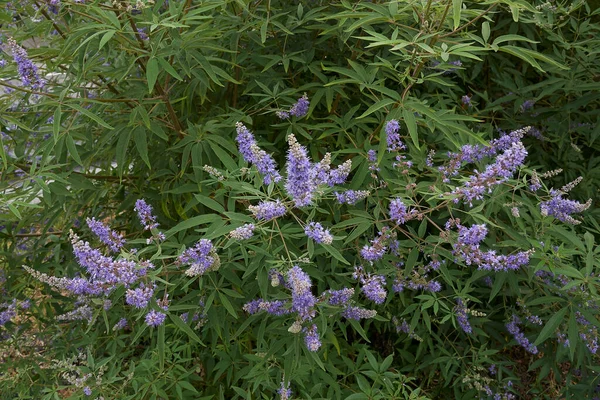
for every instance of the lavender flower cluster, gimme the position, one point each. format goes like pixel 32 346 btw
pixel 140 296
pixel 467 248
pixel 255 155
pixel 105 274
pixel 299 109
pixel 562 208
pixel 394 142
pixel 244 232
pixel 462 316
pixel 404 327
pixel 351 196
pixel 513 329
pixel 202 258
pixel 379 245
pixel 494 174
pixel 303 303
pixel 473 153
pixel 144 212
pixel 589 334
pixel 27 70
pixel 304 177
pixel 112 239
pixel 399 213
pixel 268 210
pixel 9 310
pixel 316 232
pixel 284 392
pixel 373 286
pixel 418 279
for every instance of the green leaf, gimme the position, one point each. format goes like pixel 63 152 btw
pixel 90 115
pixel 188 386
pixel 531 56
pixel 121 150
pixel 411 124
pixel 185 328
pixel 263 30
pixel 107 36
pixel 151 73
pixel 573 334
pixel 139 333
pixel 144 114
pixel 509 37
pixel 225 158
pixel 551 326
pixel 169 68
pixel 456 9
pixel 161 346
pixel 498 284
pixel 485 31
pixel 515 12
pixel 357 396
pixel 191 223
pixel 589 241
pixel 139 137
pixel 210 203
pixel 14 210
pixel 380 104
pixel 73 149
pixel 227 304
pixel 335 253
pixel 56 123
pixel 3 155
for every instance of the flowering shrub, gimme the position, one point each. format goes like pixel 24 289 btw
pixel 354 200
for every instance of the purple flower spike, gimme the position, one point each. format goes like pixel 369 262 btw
pixel 299 109
pixel 112 239
pixel 513 329
pixel 122 324
pixel 27 70
pixel 316 232
pixel 394 143
pixel 373 288
pixel 253 306
pixel 144 211
pixel 268 210
pixel 202 258
pixel 400 213
pixel 155 318
pixel 243 232
pixel 373 253
pixel 301 182
pixel 311 338
pixel 139 297
pixel 561 208
pixel 284 392
pixel 303 301
pixel 358 313
pixel 340 297
pixel 253 154
pixel 472 236
pixel 351 196
pixel 462 316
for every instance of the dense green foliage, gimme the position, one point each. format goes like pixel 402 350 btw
pixel 141 101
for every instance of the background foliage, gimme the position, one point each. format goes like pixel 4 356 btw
pixel 140 97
